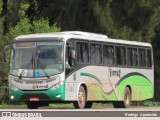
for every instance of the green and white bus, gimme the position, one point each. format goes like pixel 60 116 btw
pixel 79 67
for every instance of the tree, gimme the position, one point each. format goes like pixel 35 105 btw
pixel 156 51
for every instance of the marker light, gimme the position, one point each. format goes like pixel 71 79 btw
pixel 58 96
pixel 12 97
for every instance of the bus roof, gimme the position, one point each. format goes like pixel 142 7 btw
pixel 81 35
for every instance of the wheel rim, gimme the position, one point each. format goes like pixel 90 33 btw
pixel 127 98
pixel 81 97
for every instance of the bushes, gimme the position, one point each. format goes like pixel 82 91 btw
pixel 4 98
pixel 27 27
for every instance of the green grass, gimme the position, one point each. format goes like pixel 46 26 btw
pixel 151 103
pixel 12 106
pixel 57 105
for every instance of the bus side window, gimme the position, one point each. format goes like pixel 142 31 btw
pixel 135 57
pixel 142 57
pixel 149 58
pixel 120 55
pixel 108 55
pixel 96 53
pixel 85 53
pixel 132 57
pixel 79 54
pixel 82 52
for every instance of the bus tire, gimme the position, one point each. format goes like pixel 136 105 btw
pixel 117 104
pixel 127 97
pixel 32 105
pixel 88 104
pixel 80 103
pixel 126 100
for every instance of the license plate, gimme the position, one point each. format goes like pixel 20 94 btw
pixel 34 99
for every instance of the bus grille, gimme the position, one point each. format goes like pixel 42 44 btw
pixel 41 96
pixel 34 82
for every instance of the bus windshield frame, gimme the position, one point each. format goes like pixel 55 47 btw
pixel 37 58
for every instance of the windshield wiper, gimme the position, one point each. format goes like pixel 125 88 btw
pixel 27 66
pixel 42 67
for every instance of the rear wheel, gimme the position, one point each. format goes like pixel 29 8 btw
pixel 88 104
pixel 126 100
pixel 127 97
pixel 80 104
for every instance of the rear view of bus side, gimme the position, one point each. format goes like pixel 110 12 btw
pixel 91 68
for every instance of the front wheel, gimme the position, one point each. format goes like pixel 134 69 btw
pixel 80 104
pixel 32 105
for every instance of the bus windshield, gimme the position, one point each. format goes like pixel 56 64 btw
pixel 37 59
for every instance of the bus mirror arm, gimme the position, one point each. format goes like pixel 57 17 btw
pixel 69 70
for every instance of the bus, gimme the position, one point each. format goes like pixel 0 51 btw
pixel 80 68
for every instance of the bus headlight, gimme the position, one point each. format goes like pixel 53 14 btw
pixel 13 87
pixel 15 79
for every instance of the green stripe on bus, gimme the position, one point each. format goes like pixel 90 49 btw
pixel 141 87
pixel 133 74
pixel 91 75
pixel 105 95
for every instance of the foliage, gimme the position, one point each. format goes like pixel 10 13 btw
pixel 4 91
pixel 42 25
pixel 26 27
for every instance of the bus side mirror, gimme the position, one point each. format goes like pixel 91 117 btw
pixel 6 52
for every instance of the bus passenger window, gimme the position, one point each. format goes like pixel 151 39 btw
pixel 132 56
pixel 82 52
pixel 120 56
pixel 108 54
pixel 142 58
pixel 149 58
pixel 96 54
